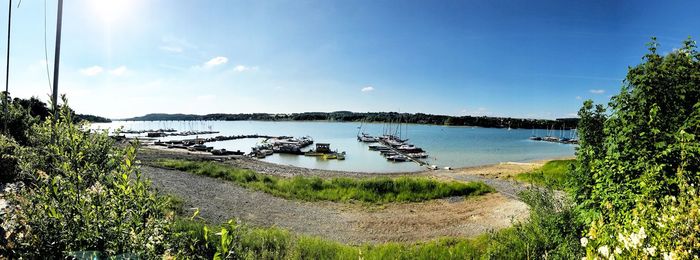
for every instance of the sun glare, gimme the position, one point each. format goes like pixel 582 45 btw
pixel 112 11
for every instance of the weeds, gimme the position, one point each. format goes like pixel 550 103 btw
pixel 371 190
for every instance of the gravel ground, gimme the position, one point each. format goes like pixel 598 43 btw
pixel 220 200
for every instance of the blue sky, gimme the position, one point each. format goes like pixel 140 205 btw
pixel 536 59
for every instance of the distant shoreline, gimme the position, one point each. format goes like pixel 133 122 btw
pixel 373 117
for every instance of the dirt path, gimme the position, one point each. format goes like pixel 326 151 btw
pixel 220 200
pixel 499 176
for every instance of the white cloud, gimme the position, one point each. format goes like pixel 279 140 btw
pixel 367 89
pixel 578 98
pixel 216 61
pixel 119 71
pixel 91 71
pixel 243 68
pixel 597 91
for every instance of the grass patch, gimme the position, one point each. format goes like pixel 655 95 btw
pixel 546 235
pixel 275 243
pixel 553 174
pixel 371 190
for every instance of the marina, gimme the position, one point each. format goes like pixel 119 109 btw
pixel 444 146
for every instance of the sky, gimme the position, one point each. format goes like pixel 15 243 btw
pixel 527 59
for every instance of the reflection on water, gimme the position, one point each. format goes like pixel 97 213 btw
pixel 447 146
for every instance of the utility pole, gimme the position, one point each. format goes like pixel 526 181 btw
pixel 57 56
pixel 6 96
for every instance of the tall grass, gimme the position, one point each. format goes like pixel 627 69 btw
pixel 553 174
pixel 276 243
pixel 371 190
pixel 548 234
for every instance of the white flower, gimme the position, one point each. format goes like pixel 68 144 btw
pixel 604 251
pixel 584 241
pixel 669 256
pixel 650 250
pixel 623 240
pixel 96 188
pixel 617 251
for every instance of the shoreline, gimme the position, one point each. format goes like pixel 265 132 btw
pixel 497 170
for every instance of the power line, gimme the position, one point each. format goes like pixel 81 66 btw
pixel 46 49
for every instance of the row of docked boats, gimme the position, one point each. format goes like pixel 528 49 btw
pixel 398 150
pixel 185 133
pixel 196 146
pixel 290 145
pixel 165 130
pixel 365 138
pixel 555 139
pixel 572 139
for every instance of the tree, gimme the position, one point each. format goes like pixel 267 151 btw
pixel 643 167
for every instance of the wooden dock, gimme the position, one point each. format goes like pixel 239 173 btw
pixel 416 160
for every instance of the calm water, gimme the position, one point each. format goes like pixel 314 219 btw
pixel 447 146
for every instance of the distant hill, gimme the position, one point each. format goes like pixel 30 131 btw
pixel 348 116
pixel 93 118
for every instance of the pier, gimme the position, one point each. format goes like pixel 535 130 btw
pixel 393 146
pixel 218 138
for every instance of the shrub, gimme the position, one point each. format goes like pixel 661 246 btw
pixel 548 233
pixel 83 194
pixel 637 180
pixel 9 168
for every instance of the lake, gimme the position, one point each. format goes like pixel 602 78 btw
pixel 446 145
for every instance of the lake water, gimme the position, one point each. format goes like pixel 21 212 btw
pixel 446 145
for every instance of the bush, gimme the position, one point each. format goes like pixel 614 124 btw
pixel 548 234
pixel 19 121
pixel 82 194
pixel 9 168
pixel 637 177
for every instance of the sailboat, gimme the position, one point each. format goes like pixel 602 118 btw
pixel 364 137
pixel 534 137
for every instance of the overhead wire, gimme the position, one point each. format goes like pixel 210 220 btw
pixel 46 50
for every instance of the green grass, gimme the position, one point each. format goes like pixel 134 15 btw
pixel 276 243
pixel 371 190
pixel 554 174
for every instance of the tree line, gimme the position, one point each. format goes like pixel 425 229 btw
pixel 376 117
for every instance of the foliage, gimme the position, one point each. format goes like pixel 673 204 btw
pixel 373 190
pixel 638 176
pixel 553 174
pixel 548 234
pixel 243 242
pixel 9 167
pixel 381 117
pixel 93 118
pixel 83 194
pixel 19 121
